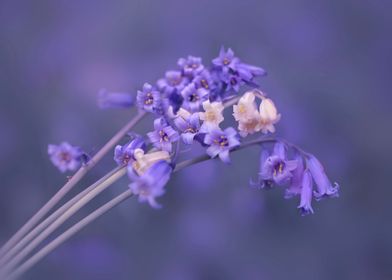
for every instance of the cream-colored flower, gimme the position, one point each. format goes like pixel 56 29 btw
pixel 145 161
pixel 246 108
pixel 269 115
pixel 212 115
pixel 251 125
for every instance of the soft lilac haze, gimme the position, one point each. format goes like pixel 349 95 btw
pixel 328 65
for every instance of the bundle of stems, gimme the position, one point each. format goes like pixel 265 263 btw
pixel 17 255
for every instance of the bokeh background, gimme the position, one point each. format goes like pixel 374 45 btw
pixel 329 65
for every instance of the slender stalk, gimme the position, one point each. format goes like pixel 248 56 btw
pixel 69 233
pixel 38 229
pixel 69 185
pixel 72 210
pixel 112 203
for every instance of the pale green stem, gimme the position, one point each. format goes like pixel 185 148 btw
pixel 70 184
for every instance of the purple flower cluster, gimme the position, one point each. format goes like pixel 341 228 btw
pixel 194 83
pixel 297 175
pixel 188 104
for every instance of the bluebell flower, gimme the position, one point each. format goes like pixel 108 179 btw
pixel 276 167
pixel 65 156
pixel 226 60
pixel 221 142
pixel 305 204
pixel 191 66
pixel 150 184
pixel 247 72
pixel 163 135
pixel 189 126
pixel 148 99
pixel 324 186
pixel 296 180
pixel 125 153
pixel 233 81
pixel 193 97
pixel 174 81
pixel 108 100
pixel 204 80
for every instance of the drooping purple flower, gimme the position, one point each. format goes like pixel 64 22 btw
pixel 174 81
pixel 221 142
pixel 305 204
pixel 109 100
pixel 324 186
pixel 296 180
pixel 148 99
pixel 65 156
pixel 247 72
pixel 124 154
pixel 163 135
pixel 226 60
pixel 276 168
pixel 191 66
pixel 151 184
pixel 193 97
pixel 189 127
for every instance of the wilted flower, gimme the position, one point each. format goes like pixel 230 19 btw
pixel 269 115
pixel 124 154
pixel 191 65
pixel 163 136
pixel 148 98
pixel 193 97
pixel 221 142
pixel 324 186
pixel 189 126
pixel 305 204
pixel 65 156
pixel 115 100
pixel 151 184
pixel 276 167
pixel 212 115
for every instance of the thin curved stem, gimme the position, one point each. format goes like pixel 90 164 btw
pixel 38 229
pixel 69 233
pixel 117 200
pixel 69 185
pixel 57 223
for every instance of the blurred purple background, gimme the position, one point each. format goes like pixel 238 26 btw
pixel 329 65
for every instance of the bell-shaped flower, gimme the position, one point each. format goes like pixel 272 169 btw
pixel 296 180
pixel 189 127
pixel 269 115
pixel 114 100
pixel 276 167
pixel 221 142
pixel 212 115
pixel 150 184
pixel 305 204
pixel 148 99
pixel 163 135
pixel 125 153
pixel 65 156
pixel 245 108
pixel 193 97
pixel 324 186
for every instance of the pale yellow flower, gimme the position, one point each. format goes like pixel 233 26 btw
pixel 144 161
